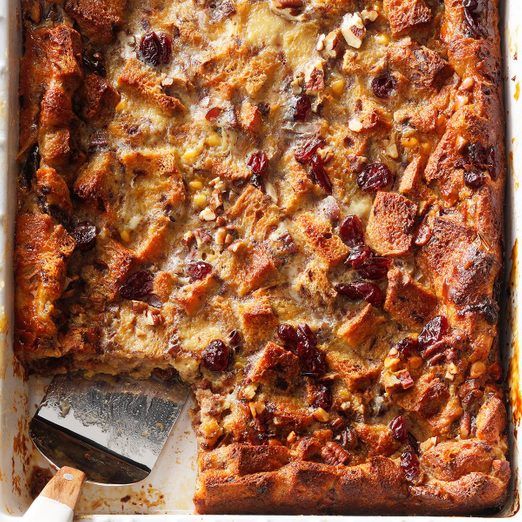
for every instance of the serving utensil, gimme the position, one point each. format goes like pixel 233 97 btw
pixel 112 429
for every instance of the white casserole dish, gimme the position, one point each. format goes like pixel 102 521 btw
pixel 169 488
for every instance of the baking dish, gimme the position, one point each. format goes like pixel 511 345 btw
pixel 169 488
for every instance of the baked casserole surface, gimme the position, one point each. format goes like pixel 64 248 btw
pixel 295 206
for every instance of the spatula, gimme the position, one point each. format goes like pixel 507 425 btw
pixel 108 431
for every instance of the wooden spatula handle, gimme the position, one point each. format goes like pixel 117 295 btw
pixel 58 497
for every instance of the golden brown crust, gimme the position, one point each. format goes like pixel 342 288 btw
pixel 297 207
pixel 475 483
pixel 41 253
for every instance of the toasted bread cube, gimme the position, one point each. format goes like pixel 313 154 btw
pixel 53 188
pixel 256 214
pixel 411 180
pixel 408 302
pixel 361 327
pixel 318 236
pixel 100 99
pixel 192 296
pixel 257 318
pixel 145 84
pixel 404 15
pixel 274 362
pixel 253 266
pixel 389 230
pixel 97 18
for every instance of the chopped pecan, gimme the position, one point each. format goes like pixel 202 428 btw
pixel 353 29
pixel 308 448
pixel 334 454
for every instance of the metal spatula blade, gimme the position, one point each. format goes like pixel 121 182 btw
pixel 113 429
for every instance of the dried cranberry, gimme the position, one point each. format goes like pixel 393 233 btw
pixel 433 331
pixel 216 356
pixel 358 256
pixel 307 150
pixel 155 49
pixel 235 339
pixel 322 396
pixel 31 165
pixel 399 429
pixel 410 465
pixel 138 286
pixel 374 177
pixel 318 174
pixel 198 270
pixel 306 335
pixel 370 292
pixel 480 156
pixel 407 347
pixel 84 234
pixel 312 360
pixel 351 231
pixel 302 107
pixel 384 85
pixel 474 178
pixel 93 61
pixel 288 335
pixel 414 443
pixel 374 268
pixel 258 162
pixel 213 113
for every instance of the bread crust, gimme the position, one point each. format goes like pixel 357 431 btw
pixel 296 207
pixel 376 487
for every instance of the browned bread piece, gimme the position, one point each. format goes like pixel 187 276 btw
pixel 295 205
